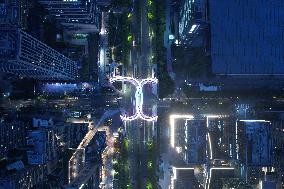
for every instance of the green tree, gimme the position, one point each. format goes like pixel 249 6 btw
pixel 166 85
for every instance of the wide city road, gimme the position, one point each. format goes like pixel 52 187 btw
pixel 139 132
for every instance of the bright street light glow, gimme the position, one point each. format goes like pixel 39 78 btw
pixel 82 186
pixel 171 37
pixel 172 125
pixel 251 120
pixel 214 116
pixel 193 28
pixel 210 146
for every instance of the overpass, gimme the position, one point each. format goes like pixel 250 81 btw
pixel 138 97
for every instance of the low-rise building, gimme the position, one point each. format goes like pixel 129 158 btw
pixel 29 177
pixel 254 142
pixel 12 135
pixel 194 148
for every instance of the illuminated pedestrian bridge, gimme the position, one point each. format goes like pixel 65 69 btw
pixel 139 114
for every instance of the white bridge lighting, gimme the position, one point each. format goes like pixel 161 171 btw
pixel 138 97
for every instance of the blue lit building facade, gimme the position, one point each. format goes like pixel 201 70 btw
pixel 25 56
pixel 247 37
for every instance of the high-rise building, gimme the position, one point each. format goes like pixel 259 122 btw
pixel 25 56
pixel 14 12
pixel 74 14
pixel 192 14
pixel 247 37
